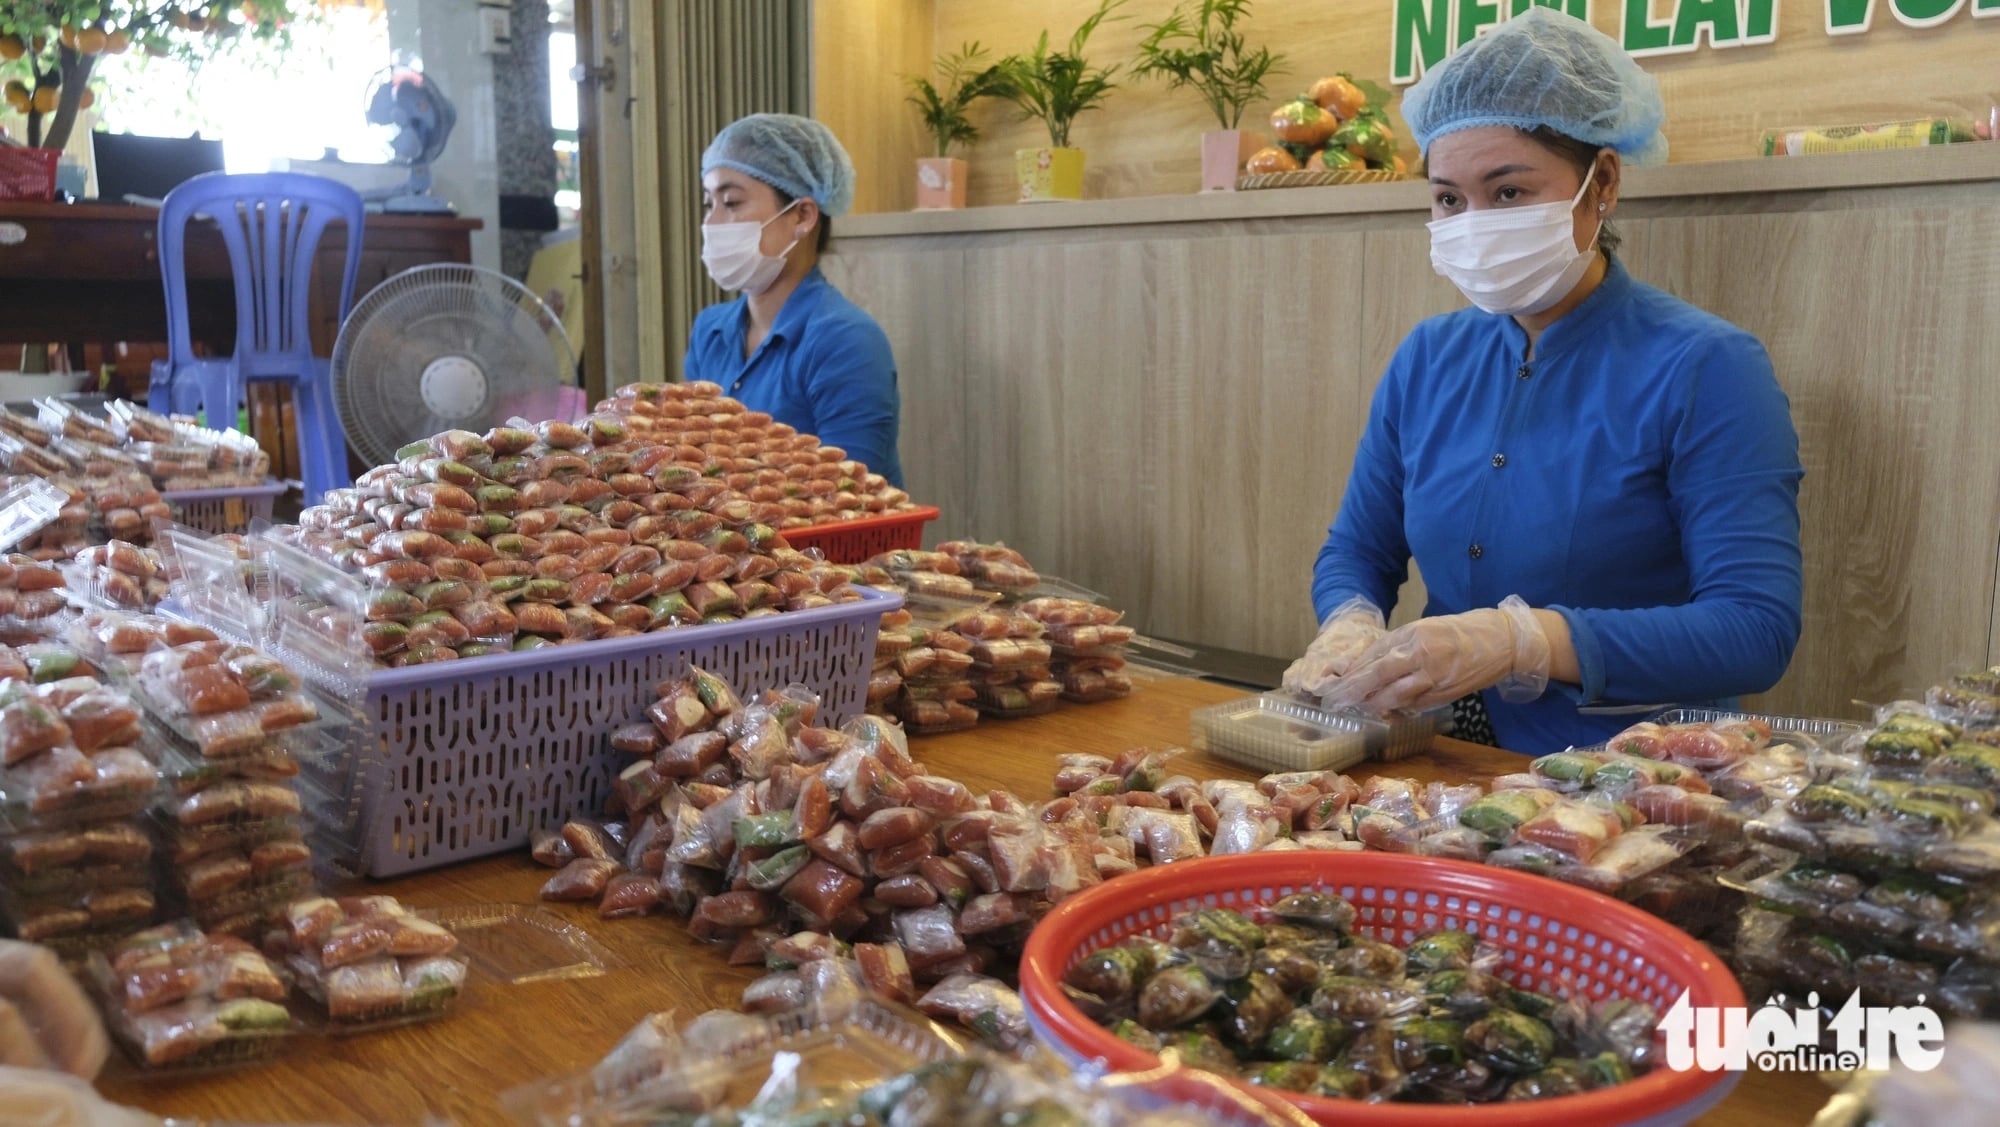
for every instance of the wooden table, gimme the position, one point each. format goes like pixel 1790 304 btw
pixel 504 1036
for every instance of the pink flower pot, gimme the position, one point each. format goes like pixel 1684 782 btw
pixel 1223 152
pixel 940 183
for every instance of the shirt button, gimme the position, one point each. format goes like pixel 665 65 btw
pixel 1475 551
pixel 1522 372
pixel 1499 460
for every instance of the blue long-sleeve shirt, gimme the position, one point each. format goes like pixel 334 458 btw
pixel 825 368
pixel 1639 476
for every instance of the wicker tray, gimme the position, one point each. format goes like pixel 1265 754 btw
pixel 1316 178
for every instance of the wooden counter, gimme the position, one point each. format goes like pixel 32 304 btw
pixel 1160 398
pixel 505 1036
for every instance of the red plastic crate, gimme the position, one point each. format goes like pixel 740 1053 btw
pixel 858 541
pixel 28 174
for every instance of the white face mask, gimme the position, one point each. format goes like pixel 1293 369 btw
pixel 1513 260
pixel 735 258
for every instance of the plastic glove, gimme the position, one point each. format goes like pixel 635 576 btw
pixel 33 1097
pixel 45 1019
pixel 1345 635
pixel 1434 661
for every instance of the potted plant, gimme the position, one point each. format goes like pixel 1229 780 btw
pixel 1199 46
pixel 1053 87
pixel 963 81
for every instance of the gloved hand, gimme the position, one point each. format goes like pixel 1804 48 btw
pixel 33 1097
pixel 45 1020
pixel 1434 661
pixel 1345 635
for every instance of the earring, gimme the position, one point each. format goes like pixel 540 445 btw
pixel 1600 207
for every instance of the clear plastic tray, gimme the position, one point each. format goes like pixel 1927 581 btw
pixel 1278 732
pixel 515 944
pixel 410 1011
pixel 27 509
pixel 830 1058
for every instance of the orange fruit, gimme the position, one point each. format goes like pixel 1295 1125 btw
pixel 91 41
pixel 19 97
pixel 117 43
pixel 12 47
pixel 1272 159
pixel 41 43
pixel 1301 122
pixel 1339 95
pixel 1401 166
pixel 46 99
pixel 88 100
pixel 67 37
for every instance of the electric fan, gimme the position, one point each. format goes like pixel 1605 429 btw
pixel 423 118
pixel 448 347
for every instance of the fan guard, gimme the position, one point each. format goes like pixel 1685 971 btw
pixel 446 347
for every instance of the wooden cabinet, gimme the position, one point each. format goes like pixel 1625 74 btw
pixel 90 274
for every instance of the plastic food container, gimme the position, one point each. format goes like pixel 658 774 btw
pixel 1279 732
pixel 1555 938
pixel 515 943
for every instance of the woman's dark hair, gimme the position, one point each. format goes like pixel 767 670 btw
pixel 825 230
pixel 1582 155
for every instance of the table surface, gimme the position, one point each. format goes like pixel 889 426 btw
pixel 504 1036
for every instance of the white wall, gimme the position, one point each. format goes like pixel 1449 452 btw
pixel 444 35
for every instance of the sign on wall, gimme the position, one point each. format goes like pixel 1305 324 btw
pixel 1428 30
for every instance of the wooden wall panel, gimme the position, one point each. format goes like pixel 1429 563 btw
pixel 861 51
pixel 1167 413
pixel 1144 142
pixel 1873 321
pixel 917 295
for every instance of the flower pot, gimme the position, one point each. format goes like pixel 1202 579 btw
pixel 1049 174
pixel 940 183
pixel 1223 152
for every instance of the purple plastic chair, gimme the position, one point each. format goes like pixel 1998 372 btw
pixel 271 223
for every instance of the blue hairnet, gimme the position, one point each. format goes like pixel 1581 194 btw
pixel 796 155
pixel 1543 68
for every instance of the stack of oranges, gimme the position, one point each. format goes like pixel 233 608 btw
pixel 1334 128
pixel 46 94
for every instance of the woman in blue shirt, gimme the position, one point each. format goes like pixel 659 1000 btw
pixel 1598 481
pixel 791 345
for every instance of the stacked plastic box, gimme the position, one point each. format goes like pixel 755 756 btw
pixel 235 728
pixel 1011 672
pixel 79 774
pixel 1087 647
pixel 923 667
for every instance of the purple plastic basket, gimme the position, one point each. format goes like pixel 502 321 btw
pixel 464 759
pixel 226 510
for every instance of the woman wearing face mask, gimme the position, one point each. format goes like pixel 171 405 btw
pixel 1598 481
pixel 791 345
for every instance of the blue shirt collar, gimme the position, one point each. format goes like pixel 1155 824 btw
pixel 799 306
pixel 1579 324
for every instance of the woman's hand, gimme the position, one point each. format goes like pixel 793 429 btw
pixel 1344 636
pixel 45 1020
pixel 1434 661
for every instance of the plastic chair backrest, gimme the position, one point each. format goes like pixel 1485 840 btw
pixel 271 223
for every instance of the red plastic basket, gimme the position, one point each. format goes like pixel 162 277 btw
pixel 28 174
pixel 1556 938
pixel 858 541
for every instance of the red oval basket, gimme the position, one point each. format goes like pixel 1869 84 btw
pixel 1556 938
